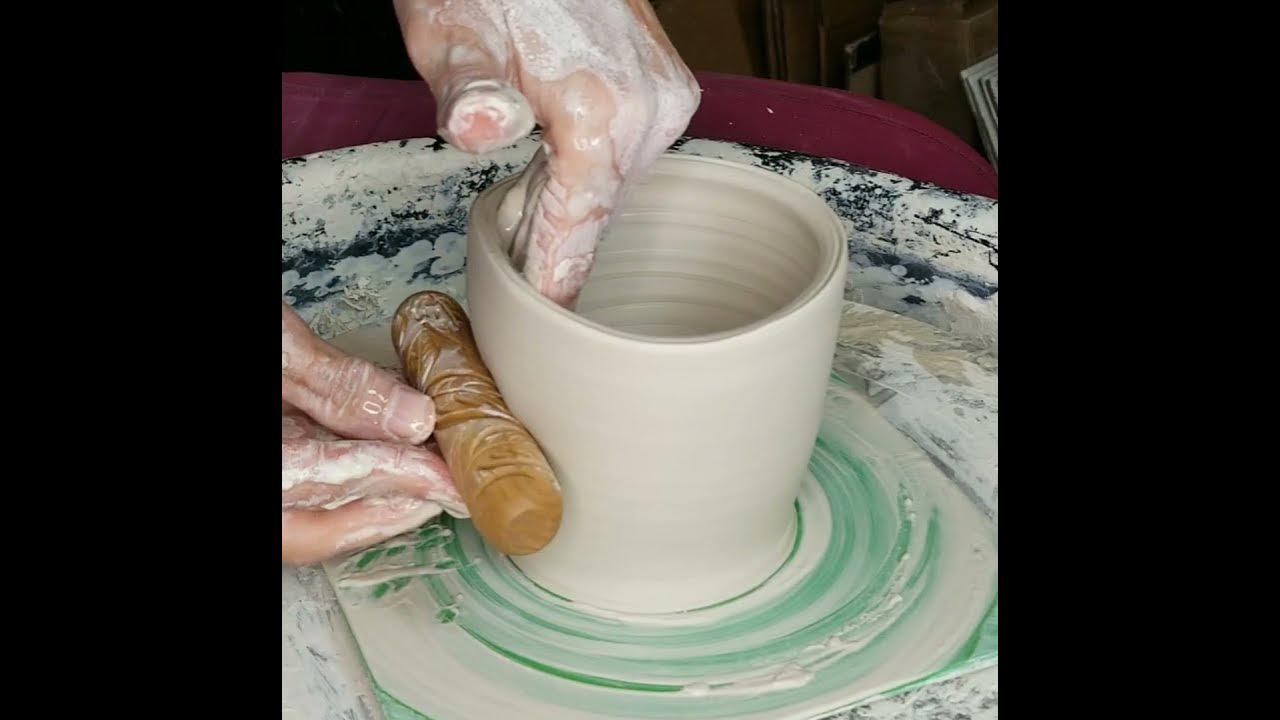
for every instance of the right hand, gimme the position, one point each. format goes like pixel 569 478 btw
pixel 600 76
pixel 341 495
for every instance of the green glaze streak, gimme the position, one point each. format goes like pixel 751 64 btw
pixel 392 708
pixel 930 548
pixel 981 636
pixel 470 576
pixel 596 680
pixel 367 558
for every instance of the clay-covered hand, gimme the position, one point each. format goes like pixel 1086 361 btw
pixel 339 495
pixel 599 76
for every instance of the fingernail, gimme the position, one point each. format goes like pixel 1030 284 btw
pixel 411 416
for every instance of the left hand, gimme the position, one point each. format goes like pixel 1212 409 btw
pixel 342 495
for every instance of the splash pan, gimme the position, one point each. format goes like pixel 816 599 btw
pixel 891 583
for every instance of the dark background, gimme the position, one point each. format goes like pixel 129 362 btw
pixel 344 37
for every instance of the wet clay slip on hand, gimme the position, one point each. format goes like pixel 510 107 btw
pixel 679 405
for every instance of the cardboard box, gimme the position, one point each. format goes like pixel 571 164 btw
pixel 806 39
pixel 862 61
pixel 791 36
pixel 841 23
pixel 926 44
pixel 725 36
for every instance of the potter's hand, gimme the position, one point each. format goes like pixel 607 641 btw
pixel 341 495
pixel 599 76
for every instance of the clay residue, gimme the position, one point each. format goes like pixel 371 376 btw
pixel 947 365
pixel 949 358
pixel 911 371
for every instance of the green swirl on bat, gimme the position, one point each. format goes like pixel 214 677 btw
pixel 870 572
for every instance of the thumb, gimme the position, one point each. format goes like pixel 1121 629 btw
pixel 350 396
pixel 485 115
pixel 479 110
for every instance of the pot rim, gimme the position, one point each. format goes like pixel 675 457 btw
pixel 830 271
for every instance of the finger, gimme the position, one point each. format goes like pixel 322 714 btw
pixel 348 395
pixel 458 52
pixel 310 536
pixel 296 425
pixel 582 186
pixel 518 204
pixel 315 473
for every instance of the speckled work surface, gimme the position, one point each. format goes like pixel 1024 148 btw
pixel 351 249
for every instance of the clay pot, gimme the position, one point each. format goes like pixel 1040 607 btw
pixel 680 403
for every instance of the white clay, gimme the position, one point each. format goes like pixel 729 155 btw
pixel 680 406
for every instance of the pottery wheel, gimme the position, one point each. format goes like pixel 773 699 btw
pixel 891 581
pixel 891 584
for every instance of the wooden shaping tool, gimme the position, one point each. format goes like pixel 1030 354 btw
pixel 497 466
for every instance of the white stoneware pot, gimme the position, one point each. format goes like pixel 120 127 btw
pixel 679 405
